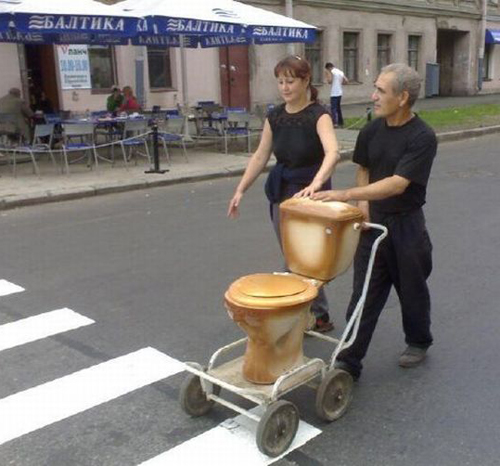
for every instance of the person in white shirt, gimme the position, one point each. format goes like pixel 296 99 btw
pixel 336 78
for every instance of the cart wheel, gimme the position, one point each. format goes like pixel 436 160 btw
pixel 334 394
pixel 192 397
pixel 277 428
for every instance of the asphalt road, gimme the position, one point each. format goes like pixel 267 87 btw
pixel 150 268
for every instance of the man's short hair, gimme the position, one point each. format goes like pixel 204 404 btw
pixel 15 92
pixel 405 79
pixel 329 65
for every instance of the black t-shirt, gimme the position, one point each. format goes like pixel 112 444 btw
pixel 407 151
pixel 295 140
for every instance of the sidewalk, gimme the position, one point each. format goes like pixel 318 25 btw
pixel 204 163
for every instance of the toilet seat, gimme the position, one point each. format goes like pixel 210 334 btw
pixel 266 292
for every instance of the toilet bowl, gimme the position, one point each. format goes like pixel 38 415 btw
pixel 319 240
pixel 273 309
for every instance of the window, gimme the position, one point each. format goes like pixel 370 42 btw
pixel 102 68
pixel 351 40
pixel 383 50
pixel 488 48
pixel 160 71
pixel 413 51
pixel 313 52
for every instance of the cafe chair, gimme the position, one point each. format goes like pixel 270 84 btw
pixel 135 136
pixel 85 133
pixel 237 125
pixel 42 141
pixel 52 118
pixel 173 133
pixel 204 103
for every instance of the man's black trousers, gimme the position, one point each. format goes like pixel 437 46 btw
pixel 403 260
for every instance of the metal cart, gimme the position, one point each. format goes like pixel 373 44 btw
pixel 278 425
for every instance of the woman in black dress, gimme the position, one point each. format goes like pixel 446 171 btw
pixel 301 136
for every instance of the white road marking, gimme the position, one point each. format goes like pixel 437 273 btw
pixel 230 443
pixel 40 326
pixel 7 288
pixel 53 401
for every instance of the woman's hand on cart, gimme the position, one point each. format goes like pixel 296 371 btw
pixel 309 191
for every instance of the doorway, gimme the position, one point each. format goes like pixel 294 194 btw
pixel 454 62
pixel 41 77
pixel 235 76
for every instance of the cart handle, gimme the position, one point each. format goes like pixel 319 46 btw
pixel 356 315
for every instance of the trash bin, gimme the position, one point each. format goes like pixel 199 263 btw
pixel 431 79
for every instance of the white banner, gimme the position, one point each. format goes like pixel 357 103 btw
pixel 74 66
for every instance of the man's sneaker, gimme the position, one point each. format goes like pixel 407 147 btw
pixel 412 356
pixel 323 324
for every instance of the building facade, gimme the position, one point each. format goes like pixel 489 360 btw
pixel 444 40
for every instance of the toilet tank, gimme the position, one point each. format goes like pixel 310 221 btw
pixel 319 239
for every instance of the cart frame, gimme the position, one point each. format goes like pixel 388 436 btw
pixel 333 382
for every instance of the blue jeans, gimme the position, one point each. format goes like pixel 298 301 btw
pixel 336 110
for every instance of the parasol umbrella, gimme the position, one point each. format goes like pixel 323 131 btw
pixel 63 21
pixel 211 23
pixel 210 20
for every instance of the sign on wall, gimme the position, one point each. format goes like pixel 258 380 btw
pixel 74 66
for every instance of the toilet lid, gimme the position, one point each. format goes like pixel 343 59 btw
pixel 270 291
pixel 271 286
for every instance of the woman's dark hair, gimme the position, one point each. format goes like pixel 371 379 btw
pixel 296 67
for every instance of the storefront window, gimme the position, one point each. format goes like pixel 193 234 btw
pixel 102 70
pixel 160 71
pixel 313 53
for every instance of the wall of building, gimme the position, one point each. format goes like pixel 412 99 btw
pixel 202 67
pixel 334 23
pixel 493 84
pixel 10 73
pixel 202 71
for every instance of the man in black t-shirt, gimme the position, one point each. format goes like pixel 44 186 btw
pixel 395 154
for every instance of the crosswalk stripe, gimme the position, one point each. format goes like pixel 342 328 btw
pixel 40 326
pixel 230 443
pixel 7 288
pixel 53 401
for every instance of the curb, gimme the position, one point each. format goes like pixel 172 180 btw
pixel 226 172
pixel 467 133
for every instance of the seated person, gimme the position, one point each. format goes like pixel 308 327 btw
pixel 41 106
pixel 115 100
pixel 130 103
pixel 44 104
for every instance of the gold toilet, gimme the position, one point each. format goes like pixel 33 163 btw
pixel 319 240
